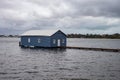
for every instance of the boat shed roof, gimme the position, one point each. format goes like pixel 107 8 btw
pixel 40 33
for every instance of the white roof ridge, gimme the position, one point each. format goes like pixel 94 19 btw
pixel 39 33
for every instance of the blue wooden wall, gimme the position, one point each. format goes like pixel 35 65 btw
pixel 45 41
pixel 58 36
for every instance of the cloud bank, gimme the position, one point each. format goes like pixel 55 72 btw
pixel 71 16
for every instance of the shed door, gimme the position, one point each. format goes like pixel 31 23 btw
pixel 58 42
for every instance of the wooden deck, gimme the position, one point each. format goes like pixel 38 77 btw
pixel 95 49
pixel 82 48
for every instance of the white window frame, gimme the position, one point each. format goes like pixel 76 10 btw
pixel 39 40
pixel 54 41
pixel 29 40
pixel 63 40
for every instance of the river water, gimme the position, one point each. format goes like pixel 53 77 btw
pixel 55 64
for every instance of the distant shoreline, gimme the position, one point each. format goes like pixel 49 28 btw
pixel 94 36
pixel 84 36
pixel 67 37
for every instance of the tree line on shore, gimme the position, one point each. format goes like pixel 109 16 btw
pixel 9 36
pixel 111 36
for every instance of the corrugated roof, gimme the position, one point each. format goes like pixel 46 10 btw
pixel 39 33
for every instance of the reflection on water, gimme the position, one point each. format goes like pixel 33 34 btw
pixel 55 64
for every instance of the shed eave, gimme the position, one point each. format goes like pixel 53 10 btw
pixel 34 35
pixel 60 31
pixel 41 33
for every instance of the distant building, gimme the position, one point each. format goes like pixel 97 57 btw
pixel 43 38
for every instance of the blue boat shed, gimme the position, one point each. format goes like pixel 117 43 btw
pixel 43 38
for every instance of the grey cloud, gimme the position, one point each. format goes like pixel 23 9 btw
pixel 87 15
pixel 62 8
pixel 106 8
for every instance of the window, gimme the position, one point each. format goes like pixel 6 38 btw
pixel 39 40
pixel 28 40
pixel 54 41
pixel 63 40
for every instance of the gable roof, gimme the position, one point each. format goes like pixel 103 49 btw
pixel 40 33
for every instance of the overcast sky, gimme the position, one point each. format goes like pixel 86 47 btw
pixel 71 16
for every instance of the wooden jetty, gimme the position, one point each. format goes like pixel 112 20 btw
pixel 95 49
pixel 73 47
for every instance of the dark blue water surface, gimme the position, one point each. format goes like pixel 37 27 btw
pixel 55 64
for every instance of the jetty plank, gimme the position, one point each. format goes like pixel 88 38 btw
pixel 73 47
pixel 96 49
